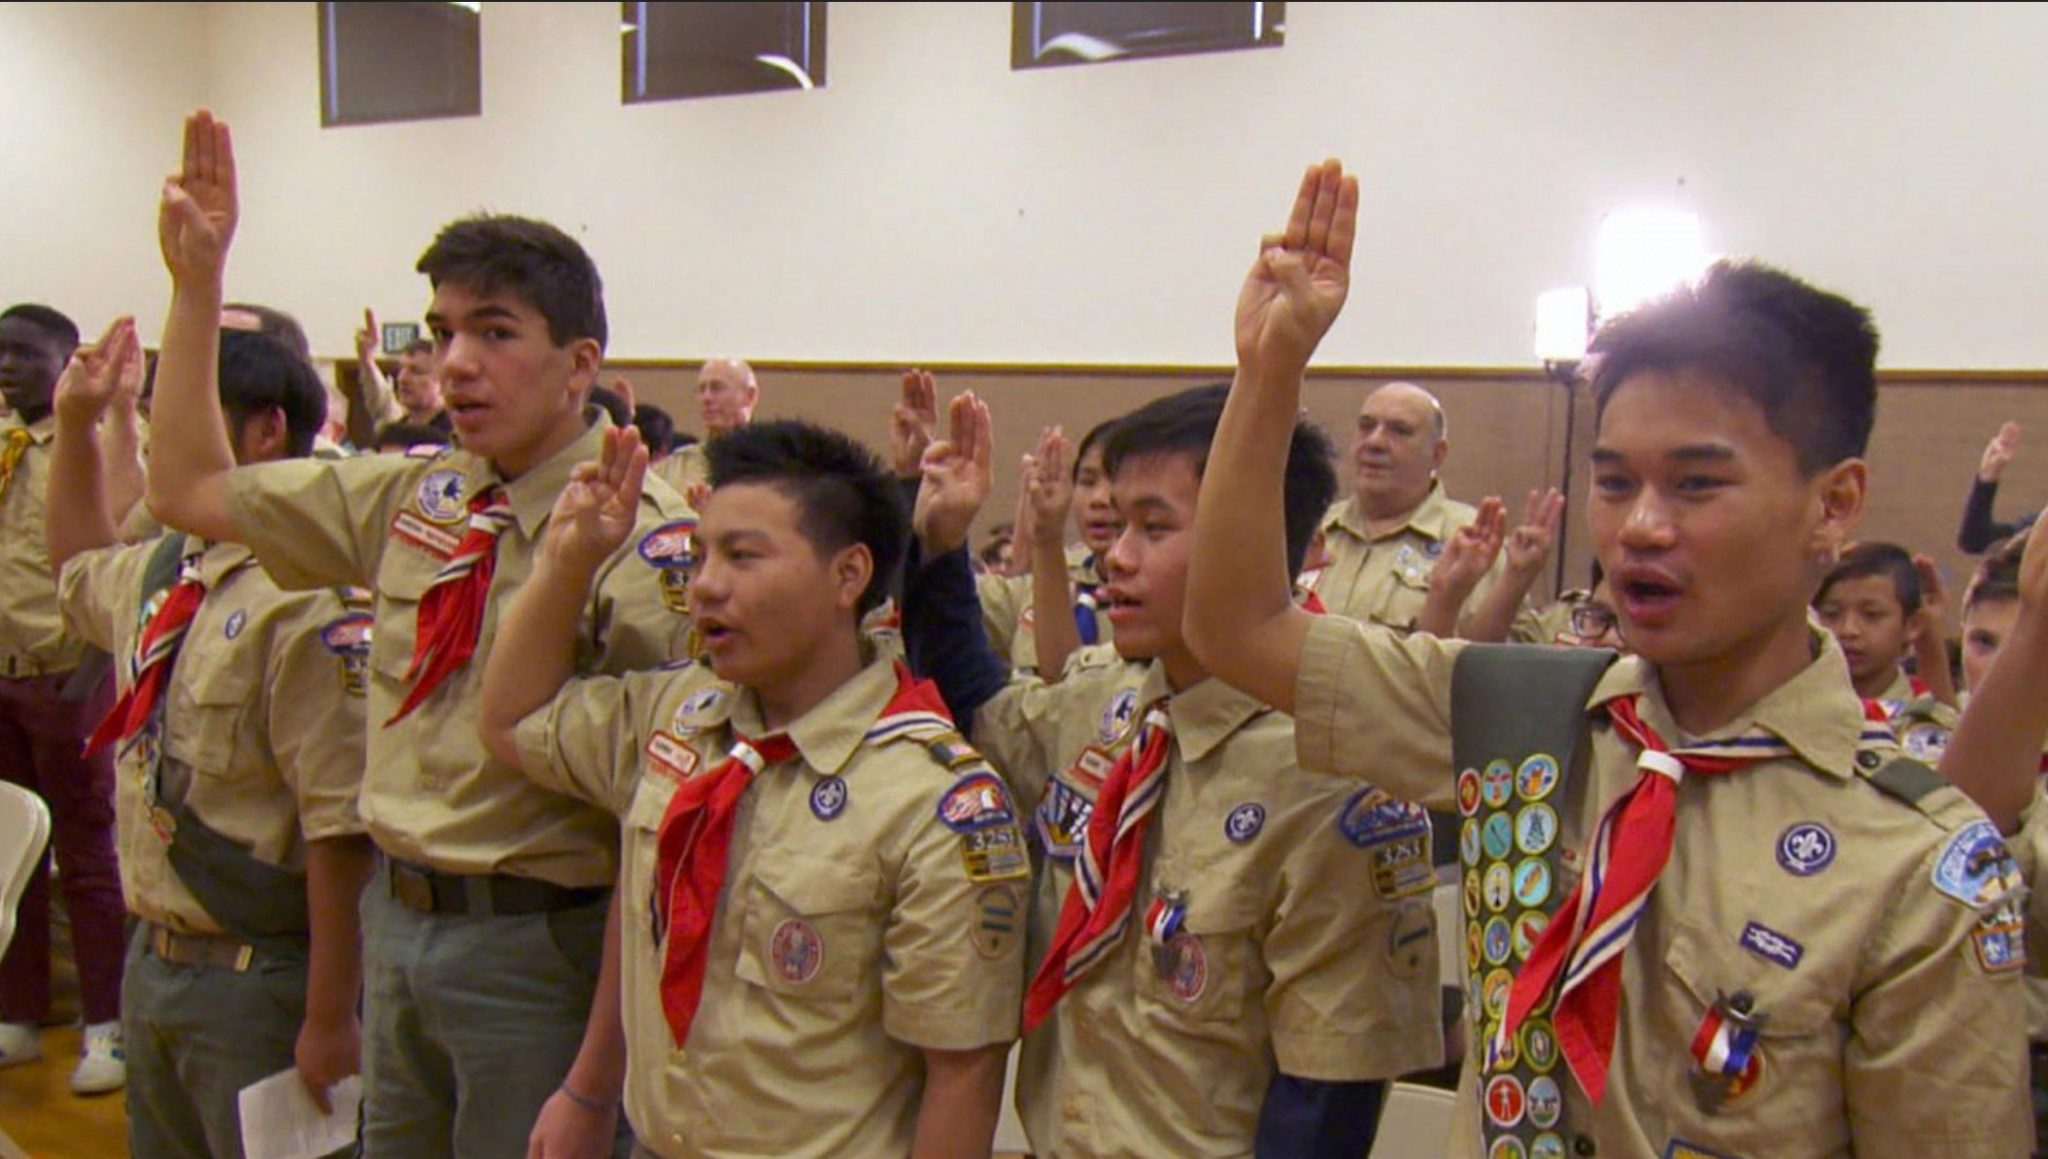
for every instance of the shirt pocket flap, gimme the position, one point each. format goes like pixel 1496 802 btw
pixel 1750 968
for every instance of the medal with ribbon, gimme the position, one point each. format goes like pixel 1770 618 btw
pixel 1162 921
pixel 1725 1047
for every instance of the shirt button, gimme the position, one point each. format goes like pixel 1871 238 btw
pixel 1583 1145
pixel 1868 759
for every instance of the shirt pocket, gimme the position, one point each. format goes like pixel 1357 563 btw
pixel 1206 969
pixel 1759 973
pixel 403 581
pixel 813 930
pixel 218 692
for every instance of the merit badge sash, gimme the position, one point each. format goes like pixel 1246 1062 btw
pixel 1518 726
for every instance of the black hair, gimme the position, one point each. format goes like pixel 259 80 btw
pixel 259 374
pixel 1806 356
pixel 844 495
pixel 1096 434
pixel 50 321
pixel 531 260
pixel 277 326
pixel 681 439
pixel 657 429
pixel 1998 577
pixel 1184 423
pixel 613 404
pixel 1877 559
pixel 411 435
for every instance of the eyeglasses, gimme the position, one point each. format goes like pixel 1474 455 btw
pixel 1592 621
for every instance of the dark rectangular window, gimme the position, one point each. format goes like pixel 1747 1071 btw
pixel 1047 35
pixel 399 62
pixel 671 51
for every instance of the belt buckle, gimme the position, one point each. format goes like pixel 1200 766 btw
pixel 412 889
pixel 243 956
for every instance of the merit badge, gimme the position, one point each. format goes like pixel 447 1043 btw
pixel 976 801
pixel 1468 792
pixel 1925 742
pixel 1374 817
pixel 1498 941
pixel 440 496
pixel 1725 1047
pixel 1528 928
pixel 797 951
pixel 1537 777
pixel 1805 849
pixel 1680 1149
pixel 1473 947
pixel 438 542
pixel 670 756
pixel 1499 886
pixel 1495 993
pixel 1535 828
pixel 1975 867
pixel 1244 822
pixel 1548 1145
pixel 1497 836
pixel 1532 882
pixel 995 853
pixel 668 546
pixel 828 798
pixel 1505 1100
pixel 1539 1045
pixel 1187 968
pixel 1497 785
pixel 1471 892
pixel 998 913
pixel 1116 715
pixel 1062 820
pixel 1771 946
pixel 1507 1147
pixel 1468 841
pixel 1546 1102
pixel 235 622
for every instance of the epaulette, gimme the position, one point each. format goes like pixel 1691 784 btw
pixel 1904 779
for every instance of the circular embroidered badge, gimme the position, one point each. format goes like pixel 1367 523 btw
pixel 1805 849
pixel 1189 973
pixel 797 951
pixel 1506 1102
pixel 1498 784
pixel 1546 1102
pixel 1535 828
pixel 1468 792
pixel 1499 886
pixel 1244 822
pixel 828 798
pixel 1537 777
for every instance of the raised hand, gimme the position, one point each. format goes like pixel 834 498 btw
pixel 1471 550
pixel 195 221
pixel 1048 487
pixel 366 338
pixel 95 374
pixel 912 422
pixel 1999 452
pixel 1298 285
pixel 1532 540
pixel 595 513
pixel 958 472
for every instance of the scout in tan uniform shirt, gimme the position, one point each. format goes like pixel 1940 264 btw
pixel 857 984
pixel 1872 602
pixel 1812 973
pixel 50 698
pixel 484 929
pixel 727 393
pixel 1247 1002
pixel 256 968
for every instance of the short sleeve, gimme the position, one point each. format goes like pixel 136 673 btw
pixel 93 586
pixel 317 724
pixel 588 741
pixel 317 523
pixel 1369 703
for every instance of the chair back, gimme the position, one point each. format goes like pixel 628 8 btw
pixel 1415 1123
pixel 24 834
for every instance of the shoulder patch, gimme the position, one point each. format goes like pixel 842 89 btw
pixel 439 496
pixel 351 634
pixel 705 708
pixel 978 800
pixel 1976 869
pixel 1395 833
pixel 668 546
pixel 1116 716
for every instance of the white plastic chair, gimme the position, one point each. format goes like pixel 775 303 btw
pixel 24 834
pixel 1415 1123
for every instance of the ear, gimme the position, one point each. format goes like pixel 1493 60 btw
pixel 851 569
pixel 1839 493
pixel 586 358
pixel 1438 453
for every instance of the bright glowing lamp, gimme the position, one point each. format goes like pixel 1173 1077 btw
pixel 1642 253
pixel 1563 317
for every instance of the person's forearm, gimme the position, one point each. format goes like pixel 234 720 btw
pixel 533 655
pixel 1241 619
pixel 78 520
pixel 379 400
pixel 1930 662
pixel 190 457
pixel 1493 617
pixel 1053 629
pixel 1994 756
pixel 963 1097
pixel 337 869
pixel 121 450
pixel 943 634
pixel 1441 607
pixel 599 1073
pixel 1978 530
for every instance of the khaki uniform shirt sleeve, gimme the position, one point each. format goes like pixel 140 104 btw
pixel 1369 703
pixel 92 587
pixel 945 984
pixel 587 741
pixel 1002 606
pixel 317 725
pixel 320 523
pixel 2030 849
pixel 1019 730
pixel 1931 1065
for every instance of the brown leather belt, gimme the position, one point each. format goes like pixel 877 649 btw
pixel 430 891
pixel 213 951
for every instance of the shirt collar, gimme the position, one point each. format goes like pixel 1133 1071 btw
pixel 1204 715
pixel 1431 518
pixel 831 733
pixel 1817 712
pixel 533 494
pixel 222 560
pixel 1900 689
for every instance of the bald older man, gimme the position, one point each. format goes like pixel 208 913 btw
pixel 726 395
pixel 1382 543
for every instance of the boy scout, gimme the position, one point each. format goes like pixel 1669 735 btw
pixel 1214 995
pixel 50 698
pixel 483 929
pixel 823 886
pixel 1873 605
pixel 240 734
pixel 1827 961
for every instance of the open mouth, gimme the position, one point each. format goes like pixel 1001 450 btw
pixel 1648 596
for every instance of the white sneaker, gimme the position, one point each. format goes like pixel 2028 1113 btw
pixel 19 1043
pixel 101 1064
